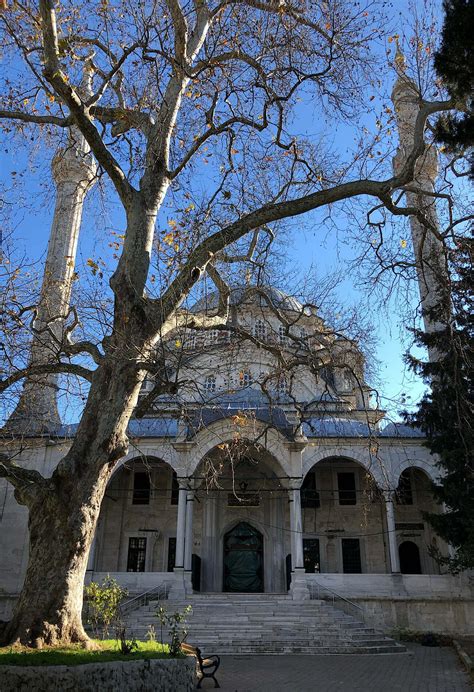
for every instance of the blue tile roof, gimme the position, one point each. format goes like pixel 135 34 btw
pixel 252 400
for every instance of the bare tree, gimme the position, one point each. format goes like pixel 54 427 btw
pixel 172 86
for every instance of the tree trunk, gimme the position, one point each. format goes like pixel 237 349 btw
pixel 63 512
pixel 62 521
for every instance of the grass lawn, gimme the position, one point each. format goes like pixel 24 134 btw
pixel 76 655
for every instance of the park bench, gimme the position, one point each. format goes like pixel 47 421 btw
pixel 207 666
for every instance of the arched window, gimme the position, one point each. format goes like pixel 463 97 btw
pixel 410 562
pixel 260 330
pixel 404 494
pixel 210 383
pixel 245 379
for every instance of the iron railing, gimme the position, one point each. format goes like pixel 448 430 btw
pixel 158 593
pixel 318 591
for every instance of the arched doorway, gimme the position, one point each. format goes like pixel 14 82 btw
pixel 410 562
pixel 243 559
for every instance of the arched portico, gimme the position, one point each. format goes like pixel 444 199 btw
pixel 412 498
pixel 248 429
pixel 136 531
pixel 344 522
pixel 241 483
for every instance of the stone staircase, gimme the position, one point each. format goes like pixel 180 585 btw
pixel 266 624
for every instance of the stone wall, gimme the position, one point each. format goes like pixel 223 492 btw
pixel 443 615
pixel 159 675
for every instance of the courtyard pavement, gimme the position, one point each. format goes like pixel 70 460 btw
pixel 422 669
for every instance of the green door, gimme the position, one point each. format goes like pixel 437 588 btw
pixel 243 559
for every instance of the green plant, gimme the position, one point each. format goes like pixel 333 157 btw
pixel 162 617
pixel 103 602
pixel 127 646
pixel 177 627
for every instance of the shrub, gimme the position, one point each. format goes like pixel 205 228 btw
pixel 103 602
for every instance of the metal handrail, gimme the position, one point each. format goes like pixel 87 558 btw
pixel 334 593
pixel 144 598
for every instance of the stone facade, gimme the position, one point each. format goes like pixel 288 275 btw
pixel 291 461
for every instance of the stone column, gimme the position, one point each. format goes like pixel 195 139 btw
pixel 296 527
pixel 299 587
pixel 210 545
pixel 188 543
pixel 181 524
pixel 392 536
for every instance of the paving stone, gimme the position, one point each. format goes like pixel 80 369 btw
pixel 422 669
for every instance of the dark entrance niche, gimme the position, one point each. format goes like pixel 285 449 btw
pixel 410 562
pixel 243 559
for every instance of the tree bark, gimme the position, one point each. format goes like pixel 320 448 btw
pixel 61 524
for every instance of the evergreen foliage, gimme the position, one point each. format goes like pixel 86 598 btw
pixel 445 414
pixel 454 63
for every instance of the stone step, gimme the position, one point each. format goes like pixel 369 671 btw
pixel 266 624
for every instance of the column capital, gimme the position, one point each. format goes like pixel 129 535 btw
pixel 388 495
pixel 74 165
pixel 295 483
pixel 184 482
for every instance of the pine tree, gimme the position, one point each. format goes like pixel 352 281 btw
pixel 454 63
pixel 445 414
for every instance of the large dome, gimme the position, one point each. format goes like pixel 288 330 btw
pixel 248 294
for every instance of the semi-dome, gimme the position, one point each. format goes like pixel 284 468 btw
pixel 249 294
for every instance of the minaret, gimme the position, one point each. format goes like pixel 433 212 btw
pixel 429 252
pixel 74 172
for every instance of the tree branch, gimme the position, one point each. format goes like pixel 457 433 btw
pixel 47 368
pixel 23 480
pixel 54 75
pixel 36 119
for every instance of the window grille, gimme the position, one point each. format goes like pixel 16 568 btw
pixel 136 554
pixel 210 383
pixel 260 330
pixel 347 488
pixel 282 336
pixel 245 379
